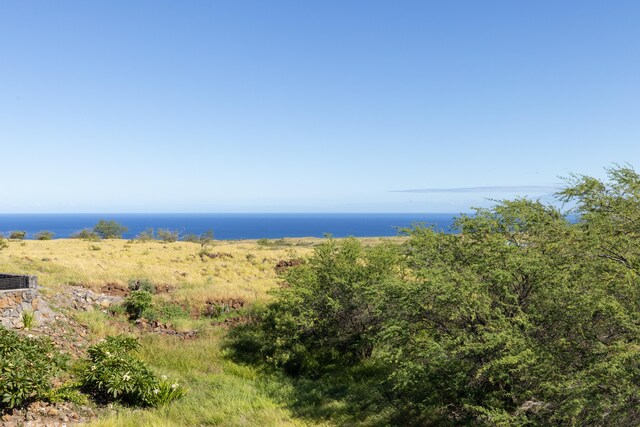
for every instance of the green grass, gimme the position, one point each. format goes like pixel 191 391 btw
pixel 221 392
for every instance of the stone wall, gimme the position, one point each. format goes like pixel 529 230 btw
pixel 17 295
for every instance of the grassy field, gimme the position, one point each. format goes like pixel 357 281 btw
pixel 221 391
pixel 243 269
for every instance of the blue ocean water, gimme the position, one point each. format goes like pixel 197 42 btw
pixel 229 226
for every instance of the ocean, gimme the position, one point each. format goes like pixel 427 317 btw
pixel 230 226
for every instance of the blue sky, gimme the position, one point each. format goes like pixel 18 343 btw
pixel 290 106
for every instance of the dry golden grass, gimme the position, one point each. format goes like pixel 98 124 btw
pixel 248 273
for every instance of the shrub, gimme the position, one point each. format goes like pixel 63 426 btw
pixel 114 374
pixel 173 311
pixel 86 234
pixel 142 285
pixel 44 235
pixel 109 229
pixel 168 236
pixel 204 239
pixel 27 365
pixel 190 237
pixel 137 302
pixel 264 242
pixel 17 235
pixel 3 243
pixel 328 312
pixel 146 235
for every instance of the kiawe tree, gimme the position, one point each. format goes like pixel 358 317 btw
pixel 522 318
pixel 109 229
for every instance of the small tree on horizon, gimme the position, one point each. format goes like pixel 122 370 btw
pixel 109 229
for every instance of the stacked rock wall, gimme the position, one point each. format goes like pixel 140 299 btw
pixel 17 295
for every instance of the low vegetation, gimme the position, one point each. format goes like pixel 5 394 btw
pixel 27 366
pixel 113 373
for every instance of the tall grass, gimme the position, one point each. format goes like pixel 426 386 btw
pixel 221 392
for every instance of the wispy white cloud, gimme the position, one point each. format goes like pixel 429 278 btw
pixel 523 189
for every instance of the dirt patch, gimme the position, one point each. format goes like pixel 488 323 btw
pixel 115 289
pixel 283 265
pixel 214 255
pixel 48 414
pixel 164 288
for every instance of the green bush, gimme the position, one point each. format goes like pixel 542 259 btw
pixel 170 311
pixel 3 243
pixel 114 374
pixel 137 303
pixel 86 234
pixel 17 235
pixel 44 235
pixel 328 312
pixel 27 366
pixel 146 235
pixel 168 236
pixel 109 229
pixel 204 239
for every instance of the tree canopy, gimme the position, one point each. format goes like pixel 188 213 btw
pixel 521 318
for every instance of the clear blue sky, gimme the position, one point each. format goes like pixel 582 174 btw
pixel 300 106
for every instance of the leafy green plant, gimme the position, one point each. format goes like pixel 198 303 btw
pixel 115 374
pixel 27 365
pixel 172 311
pixel 28 319
pixel 137 302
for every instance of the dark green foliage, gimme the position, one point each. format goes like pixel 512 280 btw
pixel 3 243
pixel 115 374
pixel 109 229
pixel 44 235
pixel 86 234
pixel 27 365
pixel 137 302
pixel 17 235
pixel 329 308
pixel 523 318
